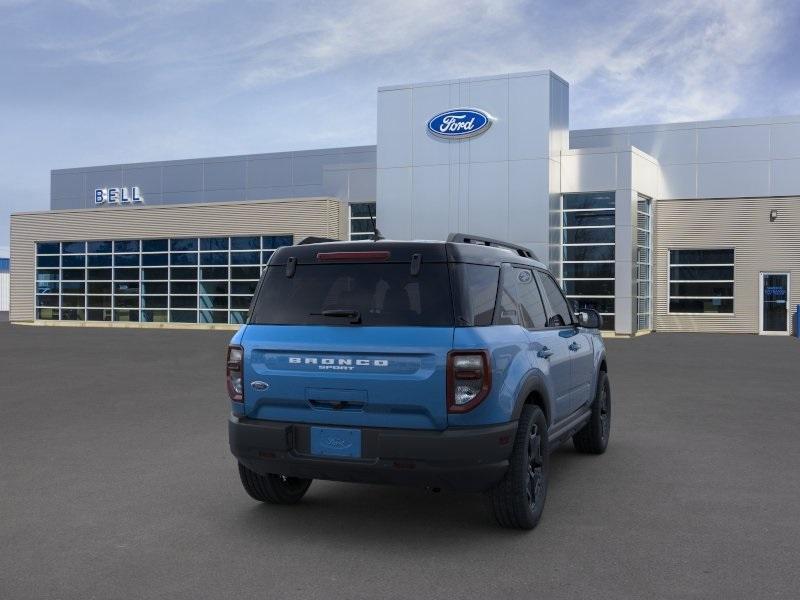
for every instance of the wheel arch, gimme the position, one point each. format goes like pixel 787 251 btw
pixel 534 391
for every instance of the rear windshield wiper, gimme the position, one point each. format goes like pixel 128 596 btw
pixel 345 313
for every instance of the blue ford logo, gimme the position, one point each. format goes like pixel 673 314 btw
pixel 460 123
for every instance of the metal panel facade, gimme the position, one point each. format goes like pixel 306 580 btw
pixel 759 244
pixel 428 187
pixel 325 217
pixel 223 179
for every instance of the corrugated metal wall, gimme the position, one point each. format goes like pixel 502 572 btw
pixel 300 217
pixel 3 291
pixel 742 224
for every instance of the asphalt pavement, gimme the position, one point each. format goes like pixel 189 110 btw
pixel 116 482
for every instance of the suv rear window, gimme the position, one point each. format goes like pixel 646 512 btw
pixel 382 295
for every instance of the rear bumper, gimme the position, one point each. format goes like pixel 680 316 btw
pixel 465 459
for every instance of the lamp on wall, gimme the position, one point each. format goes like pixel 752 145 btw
pixel 773 215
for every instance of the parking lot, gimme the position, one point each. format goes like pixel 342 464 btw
pixel 116 482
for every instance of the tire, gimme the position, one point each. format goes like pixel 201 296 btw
pixel 593 438
pixel 273 489
pixel 518 500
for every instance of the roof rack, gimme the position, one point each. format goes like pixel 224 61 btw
pixel 466 238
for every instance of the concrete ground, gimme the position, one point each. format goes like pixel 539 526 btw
pixel 116 482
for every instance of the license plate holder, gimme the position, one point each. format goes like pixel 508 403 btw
pixel 336 441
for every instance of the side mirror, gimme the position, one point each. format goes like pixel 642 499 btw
pixel 590 318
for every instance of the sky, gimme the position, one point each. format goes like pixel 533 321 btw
pixel 93 82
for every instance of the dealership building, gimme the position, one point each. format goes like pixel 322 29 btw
pixel 672 227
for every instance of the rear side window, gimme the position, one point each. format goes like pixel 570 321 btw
pixel 560 313
pixel 475 288
pixel 530 301
pixel 382 295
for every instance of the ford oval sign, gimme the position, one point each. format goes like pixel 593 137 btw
pixel 459 123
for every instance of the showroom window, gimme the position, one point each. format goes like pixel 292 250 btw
pixel 587 268
pixel 644 228
pixel 362 224
pixel 169 280
pixel 701 281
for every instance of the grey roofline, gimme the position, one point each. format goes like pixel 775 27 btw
pixel 186 161
pixel 401 86
pixel 684 125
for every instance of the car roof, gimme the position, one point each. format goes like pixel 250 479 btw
pixel 402 251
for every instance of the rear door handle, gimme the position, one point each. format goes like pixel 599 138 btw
pixel 545 352
pixel 574 346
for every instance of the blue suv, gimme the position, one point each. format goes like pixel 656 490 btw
pixel 456 365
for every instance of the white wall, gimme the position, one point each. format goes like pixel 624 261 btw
pixel 713 159
pixel 3 291
pixel 500 184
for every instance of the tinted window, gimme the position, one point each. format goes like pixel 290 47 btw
pixel 533 315
pixel 382 294
pixel 507 312
pixel 560 313
pixel 476 292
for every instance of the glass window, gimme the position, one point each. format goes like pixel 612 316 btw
pixel 590 218
pixel 154 245
pixel 73 314
pixel 588 270
pixel 240 301
pixel 214 287
pixel 126 315
pixel 588 253
pixel 47 287
pixel 243 287
pixel 98 301
pixel 154 260
pixel 272 242
pixel 214 258
pixel 361 226
pixel 213 316
pixel 245 258
pixel 99 274
pixel 73 274
pixel 183 273
pixel 530 301
pixel 380 294
pixel 48 314
pixel 47 247
pixel 155 316
pixel 154 287
pixel 183 258
pixel 155 274
pixel 99 247
pixel 507 309
pixel 72 301
pixel 126 274
pixel 73 247
pixel 183 244
pixel 601 305
pixel 126 260
pixel 155 301
pixel 73 287
pixel 476 293
pixel 237 317
pixel 183 287
pixel 183 316
pixel 183 301
pixel 603 235
pixel 215 302
pixel 214 272
pixel 47 261
pixel 126 245
pixel 74 260
pixel 47 274
pixel 100 260
pixel 47 300
pixel 126 301
pixel 103 287
pixel 361 220
pixel 245 243
pixel 560 313
pixel 98 315
pixel 217 243
pixel 589 200
pixel 126 287
pixel 265 256
pixel 245 272
pixel 701 281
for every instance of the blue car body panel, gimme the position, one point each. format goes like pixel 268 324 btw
pixel 342 375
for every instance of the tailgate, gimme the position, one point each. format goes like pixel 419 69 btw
pixel 351 376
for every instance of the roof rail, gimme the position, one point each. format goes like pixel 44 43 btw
pixel 466 238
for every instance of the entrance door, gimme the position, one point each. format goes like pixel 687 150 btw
pixel 774 301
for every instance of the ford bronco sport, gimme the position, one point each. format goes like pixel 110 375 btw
pixel 456 365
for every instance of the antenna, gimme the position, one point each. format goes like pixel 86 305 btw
pixel 377 234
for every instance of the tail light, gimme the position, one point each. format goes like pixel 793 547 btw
pixel 234 373
pixel 469 379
